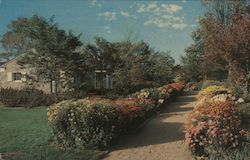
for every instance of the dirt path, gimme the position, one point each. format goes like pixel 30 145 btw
pixel 162 138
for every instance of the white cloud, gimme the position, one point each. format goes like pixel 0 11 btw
pixel 141 8
pixel 162 15
pixel 179 26
pixel 109 16
pixel 96 3
pixel 154 21
pixel 107 29
pixel 171 8
pixel 184 1
pixel 156 9
pixel 167 23
pixel 173 18
pixel 125 14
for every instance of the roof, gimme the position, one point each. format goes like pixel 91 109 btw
pixel 6 63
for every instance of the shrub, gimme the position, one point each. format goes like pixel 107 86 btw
pixel 140 105
pixel 26 97
pixel 215 128
pixel 96 122
pixel 147 93
pixel 191 86
pixel 208 83
pixel 179 86
pixel 85 123
pixel 213 90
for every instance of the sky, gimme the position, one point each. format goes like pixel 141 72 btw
pixel 165 24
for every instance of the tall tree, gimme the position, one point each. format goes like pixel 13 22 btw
pixel 14 42
pixel 104 57
pixel 44 47
pixel 229 41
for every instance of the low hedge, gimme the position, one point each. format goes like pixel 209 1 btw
pixel 97 122
pixel 25 97
pixel 214 127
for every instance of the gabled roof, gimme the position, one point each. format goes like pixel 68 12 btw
pixel 6 63
pixel 12 60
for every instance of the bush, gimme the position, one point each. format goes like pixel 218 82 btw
pixel 26 97
pixel 97 122
pixel 85 123
pixel 143 105
pixel 179 86
pixel 147 93
pixel 213 90
pixel 135 110
pixel 208 83
pixel 215 128
pixel 191 86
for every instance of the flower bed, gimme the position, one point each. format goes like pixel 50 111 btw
pixel 97 122
pixel 213 90
pixel 214 127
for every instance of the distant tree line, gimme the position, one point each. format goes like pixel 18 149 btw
pixel 39 43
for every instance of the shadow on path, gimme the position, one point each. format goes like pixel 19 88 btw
pixel 164 128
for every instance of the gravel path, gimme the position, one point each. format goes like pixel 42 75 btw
pixel 161 138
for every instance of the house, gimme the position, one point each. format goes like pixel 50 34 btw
pixel 15 76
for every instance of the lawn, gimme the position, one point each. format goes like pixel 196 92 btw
pixel 25 135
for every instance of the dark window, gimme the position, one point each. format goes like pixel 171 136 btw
pixel 17 76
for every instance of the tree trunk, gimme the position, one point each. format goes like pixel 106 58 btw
pixel 248 77
pixel 56 87
pixel 230 75
pixel 51 86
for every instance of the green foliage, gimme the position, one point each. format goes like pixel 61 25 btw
pixel 241 153
pixel 140 67
pixel 97 122
pixel 85 124
pixel 208 83
pixel 26 97
pixel 192 62
pixel 46 48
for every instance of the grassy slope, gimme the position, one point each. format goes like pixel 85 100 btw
pixel 24 135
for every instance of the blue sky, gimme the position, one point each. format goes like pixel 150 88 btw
pixel 165 25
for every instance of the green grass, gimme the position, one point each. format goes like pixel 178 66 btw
pixel 25 135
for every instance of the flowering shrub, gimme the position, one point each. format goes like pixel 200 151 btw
pixel 135 107
pixel 147 93
pixel 213 90
pixel 226 110
pixel 85 123
pixel 179 86
pixel 215 124
pixel 209 135
pixel 96 122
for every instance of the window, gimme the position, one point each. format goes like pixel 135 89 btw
pixel 17 76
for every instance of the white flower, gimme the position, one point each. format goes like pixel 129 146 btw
pixel 240 100
pixel 161 100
